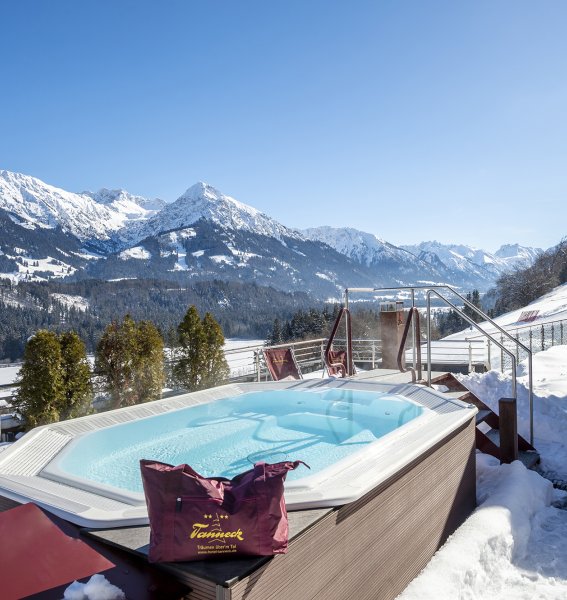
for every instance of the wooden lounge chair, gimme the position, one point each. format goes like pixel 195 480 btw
pixel 282 364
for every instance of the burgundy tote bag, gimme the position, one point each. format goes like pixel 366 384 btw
pixel 195 518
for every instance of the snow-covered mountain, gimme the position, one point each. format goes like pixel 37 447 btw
pixel 433 262
pixel 474 261
pixel 133 207
pixel 203 202
pixel 34 204
pixel 205 234
pixel 375 253
pixel 363 247
pixel 514 255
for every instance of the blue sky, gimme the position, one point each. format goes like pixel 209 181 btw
pixel 413 120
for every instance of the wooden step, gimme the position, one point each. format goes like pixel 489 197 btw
pixel 487 442
pixel 483 415
pixel 530 458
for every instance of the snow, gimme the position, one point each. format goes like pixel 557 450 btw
pixel 8 374
pixel 202 201
pixel 32 266
pixel 37 204
pixel 550 307
pixel 137 252
pixel 239 354
pixel 71 301
pixel 96 588
pixel 222 259
pixel 513 545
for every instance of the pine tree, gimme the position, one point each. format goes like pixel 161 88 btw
pixel 115 361
pixel 76 377
pixel 474 299
pixel 276 337
pixel 215 367
pixel 192 341
pixel 149 376
pixel 41 392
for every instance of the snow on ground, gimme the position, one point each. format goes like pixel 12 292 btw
pixel 138 252
pixel 71 301
pixel 240 355
pixel 550 307
pixel 513 546
pixel 8 374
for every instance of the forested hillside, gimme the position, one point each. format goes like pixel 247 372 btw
pixel 87 307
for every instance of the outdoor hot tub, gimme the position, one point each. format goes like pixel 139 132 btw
pixel 354 435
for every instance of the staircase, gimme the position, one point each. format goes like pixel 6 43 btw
pixel 487 422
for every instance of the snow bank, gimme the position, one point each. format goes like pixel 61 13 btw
pixel 480 560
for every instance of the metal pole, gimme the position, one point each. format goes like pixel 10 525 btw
pixel 531 398
pixel 470 357
pixel 428 339
pixel 414 334
pixel 257 360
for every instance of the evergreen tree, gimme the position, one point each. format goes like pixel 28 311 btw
pixel 474 299
pixel 115 361
pixel 276 336
pixel 201 363
pixel 149 375
pixel 215 367
pixel 192 341
pixel 41 392
pixel 76 377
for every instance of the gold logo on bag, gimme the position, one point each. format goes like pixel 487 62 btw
pixel 216 533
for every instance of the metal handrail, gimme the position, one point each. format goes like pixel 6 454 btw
pixel 413 317
pixel 348 370
pixel 432 289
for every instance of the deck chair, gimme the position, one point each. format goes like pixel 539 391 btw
pixel 282 364
pixel 336 363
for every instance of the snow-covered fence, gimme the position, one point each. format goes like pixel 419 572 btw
pixel 537 337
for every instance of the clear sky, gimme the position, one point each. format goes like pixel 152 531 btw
pixel 412 120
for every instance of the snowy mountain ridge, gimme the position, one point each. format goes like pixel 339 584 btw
pixel 203 201
pixel 208 234
pixel 32 203
pixel 363 247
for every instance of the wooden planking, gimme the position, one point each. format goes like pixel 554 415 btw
pixel 7 504
pixel 375 546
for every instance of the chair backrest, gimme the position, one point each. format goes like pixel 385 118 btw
pixel 337 362
pixel 282 364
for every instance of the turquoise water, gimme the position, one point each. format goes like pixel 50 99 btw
pixel 226 437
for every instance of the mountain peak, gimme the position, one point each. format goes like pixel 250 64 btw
pixel 203 201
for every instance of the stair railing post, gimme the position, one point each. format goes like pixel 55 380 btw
pixel 257 361
pixel 429 338
pixel 470 357
pixel 488 354
pixel 508 430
